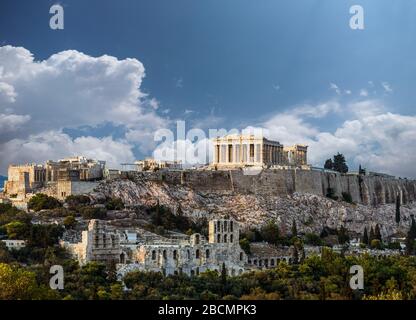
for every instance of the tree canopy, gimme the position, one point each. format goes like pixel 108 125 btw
pixel 338 163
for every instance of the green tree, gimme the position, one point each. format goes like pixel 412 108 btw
pixel 313 239
pixel 75 201
pixel 223 279
pixel 376 244
pixel 69 222
pixel 17 230
pixel 245 245
pixel 372 235
pixel 17 283
pixel 343 236
pixel 270 233
pixel 295 254
pixel 42 201
pixel 294 229
pixel 398 209
pixel 329 164
pixel 93 213
pixel 411 236
pixel 330 193
pixel 340 164
pixel 114 204
pixel 346 196
pixel 365 237
pixel 377 233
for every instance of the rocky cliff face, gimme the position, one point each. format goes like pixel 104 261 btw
pixel 283 197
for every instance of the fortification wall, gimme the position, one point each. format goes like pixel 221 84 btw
pixel 370 190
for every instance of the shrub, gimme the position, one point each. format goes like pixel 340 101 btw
pixel 17 230
pixel 74 201
pixel 346 196
pixel 69 222
pixel 343 236
pixel 313 239
pixel 42 201
pixel 245 245
pixel 93 213
pixel 376 244
pixel 114 204
pixel 394 246
pixel 330 193
pixel 270 233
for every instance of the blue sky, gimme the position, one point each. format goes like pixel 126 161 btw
pixel 239 63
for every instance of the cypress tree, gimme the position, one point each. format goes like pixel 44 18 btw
pixel 377 233
pixel 295 255
pixel 398 209
pixel 223 279
pixel 371 235
pixel 365 236
pixel 294 229
pixel 223 275
pixel 411 236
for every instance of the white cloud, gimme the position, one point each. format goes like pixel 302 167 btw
pixel 179 83
pixel 363 92
pixel 334 87
pixel 55 145
pixel 387 87
pixel 368 135
pixel 11 123
pixel 379 140
pixel 71 89
pixel 7 93
pixel 316 111
pixel 154 103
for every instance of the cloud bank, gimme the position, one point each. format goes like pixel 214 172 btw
pixel 70 89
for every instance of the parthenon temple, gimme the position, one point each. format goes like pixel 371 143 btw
pixel 250 150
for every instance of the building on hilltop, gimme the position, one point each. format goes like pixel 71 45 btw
pixel 67 176
pixel 236 150
pixel 22 179
pixel 150 164
pixel 87 169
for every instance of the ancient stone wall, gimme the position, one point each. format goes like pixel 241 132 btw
pixel 369 190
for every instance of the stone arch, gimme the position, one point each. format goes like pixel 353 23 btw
pixel 207 253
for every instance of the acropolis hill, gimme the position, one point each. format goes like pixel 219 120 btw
pixel 285 189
